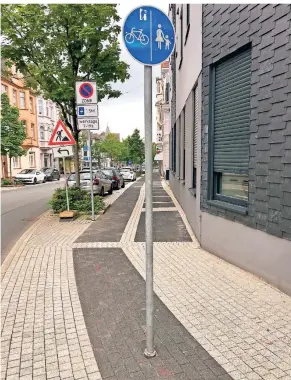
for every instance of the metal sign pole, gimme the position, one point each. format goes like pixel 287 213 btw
pixel 149 350
pixel 91 173
pixel 67 194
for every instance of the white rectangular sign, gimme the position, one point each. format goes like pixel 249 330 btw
pixel 88 123
pixel 87 111
pixel 86 92
pixel 61 151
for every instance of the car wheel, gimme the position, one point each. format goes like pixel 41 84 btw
pixel 35 181
pixel 102 192
pixel 111 190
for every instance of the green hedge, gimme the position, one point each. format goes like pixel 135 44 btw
pixel 80 200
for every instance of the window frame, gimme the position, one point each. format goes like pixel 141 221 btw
pixel 20 98
pixel 31 154
pixel 41 133
pixel 213 177
pixel 4 89
pixel 14 99
pixel 18 166
pixel 40 106
pixel 194 168
pixel 31 104
pixel 32 129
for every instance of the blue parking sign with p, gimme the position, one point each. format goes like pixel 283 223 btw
pixel 149 35
pixel 81 111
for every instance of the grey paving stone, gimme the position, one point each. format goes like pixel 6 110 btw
pixel 168 226
pixel 117 216
pixel 115 318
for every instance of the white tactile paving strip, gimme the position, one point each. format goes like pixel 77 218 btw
pixel 244 323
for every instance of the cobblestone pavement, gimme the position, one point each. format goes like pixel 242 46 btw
pixel 241 321
pixel 222 312
pixel 43 332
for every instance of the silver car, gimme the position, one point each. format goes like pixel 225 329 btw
pixel 101 184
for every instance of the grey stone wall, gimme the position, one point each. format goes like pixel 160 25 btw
pixel 268 28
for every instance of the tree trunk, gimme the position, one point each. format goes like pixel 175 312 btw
pixel 10 168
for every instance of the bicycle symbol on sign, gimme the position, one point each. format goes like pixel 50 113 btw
pixel 136 34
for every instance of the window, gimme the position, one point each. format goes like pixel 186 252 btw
pixel 4 89
pixel 195 131
pixel 31 105
pixel 31 158
pixel 174 147
pixel 42 133
pixel 181 36
pixel 40 106
pixel 16 162
pixel 47 110
pixel 22 99
pixel 230 117
pixel 32 131
pixel 182 142
pixel 167 93
pixel 51 109
pixel 14 98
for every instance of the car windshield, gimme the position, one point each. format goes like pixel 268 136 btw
pixel 48 170
pixel 108 172
pixel 125 170
pixel 27 171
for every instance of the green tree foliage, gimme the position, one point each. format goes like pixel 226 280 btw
pixel 154 150
pixel 54 45
pixel 12 131
pixel 112 147
pixel 136 149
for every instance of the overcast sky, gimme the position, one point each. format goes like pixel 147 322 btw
pixel 125 114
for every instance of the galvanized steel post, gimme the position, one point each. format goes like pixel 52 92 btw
pixel 149 350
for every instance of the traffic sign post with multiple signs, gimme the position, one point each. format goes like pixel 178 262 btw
pixel 61 136
pixel 149 37
pixel 88 119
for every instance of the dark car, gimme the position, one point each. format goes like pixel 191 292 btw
pixel 115 176
pixel 51 174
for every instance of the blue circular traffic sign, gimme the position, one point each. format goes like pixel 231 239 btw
pixel 149 35
pixel 86 90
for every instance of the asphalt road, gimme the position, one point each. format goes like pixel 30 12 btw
pixel 20 208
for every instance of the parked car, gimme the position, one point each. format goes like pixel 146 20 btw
pixel 101 184
pixel 115 176
pixel 128 173
pixel 30 176
pixel 51 174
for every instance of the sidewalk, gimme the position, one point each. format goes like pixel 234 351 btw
pixel 73 302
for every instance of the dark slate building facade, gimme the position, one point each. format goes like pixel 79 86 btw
pixel 245 192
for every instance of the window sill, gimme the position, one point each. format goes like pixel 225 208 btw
pixel 229 206
pixel 192 191
pixel 187 33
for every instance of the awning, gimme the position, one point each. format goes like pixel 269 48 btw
pixel 158 157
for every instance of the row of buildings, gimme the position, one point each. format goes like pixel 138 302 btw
pixel 39 117
pixel 224 120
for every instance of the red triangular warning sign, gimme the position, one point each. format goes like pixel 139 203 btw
pixel 61 135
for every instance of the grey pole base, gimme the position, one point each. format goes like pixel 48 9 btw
pixel 149 355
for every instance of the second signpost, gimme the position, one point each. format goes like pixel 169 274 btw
pixel 88 119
